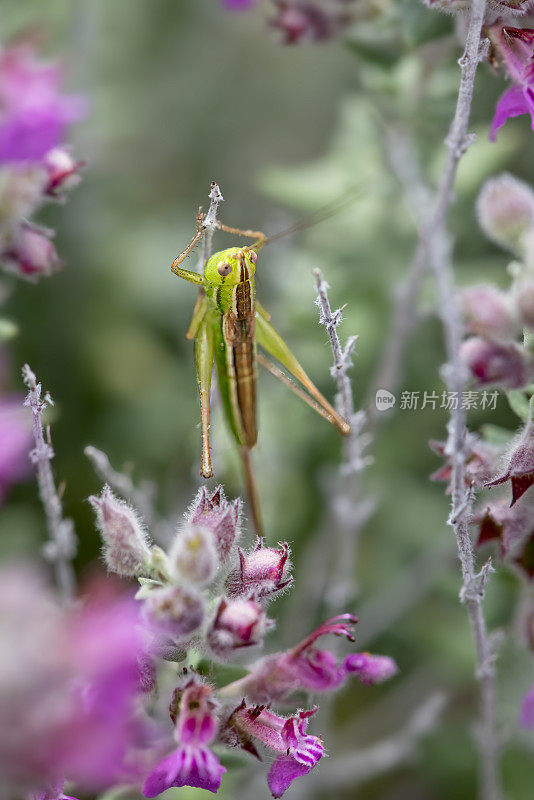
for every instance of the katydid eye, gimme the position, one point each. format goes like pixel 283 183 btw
pixel 253 256
pixel 224 268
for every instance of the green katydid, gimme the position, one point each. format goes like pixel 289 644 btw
pixel 227 325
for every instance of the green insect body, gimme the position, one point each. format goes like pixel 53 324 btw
pixel 227 325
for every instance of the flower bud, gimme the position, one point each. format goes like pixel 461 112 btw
pixel 505 209
pixel 488 312
pixel 218 515
pixel 193 555
pixel 525 303
pixel 260 573
pixel 370 669
pixel 238 623
pixel 175 611
pixel 62 171
pixel 491 363
pixel 125 541
pixel 520 467
pixel 307 21
pixel 31 254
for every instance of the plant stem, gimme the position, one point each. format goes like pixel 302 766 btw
pixel 435 248
pixel 61 546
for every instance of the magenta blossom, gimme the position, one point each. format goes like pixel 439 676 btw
pixel 34 115
pixel 527 710
pixel 53 792
pixel 192 763
pixel 15 444
pixel 515 46
pixel 298 751
pixel 71 680
pixel 306 668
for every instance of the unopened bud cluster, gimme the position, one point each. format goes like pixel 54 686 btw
pixel 35 166
pixel 206 595
pixel 496 320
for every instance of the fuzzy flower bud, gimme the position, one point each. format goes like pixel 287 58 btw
pixel 125 541
pixel 520 467
pixel 62 171
pixel 525 303
pixel 488 312
pixel 175 611
pixel 193 555
pixel 31 254
pixel 307 21
pixel 261 573
pixel 492 363
pixel 218 515
pixel 370 669
pixel 505 209
pixel 237 623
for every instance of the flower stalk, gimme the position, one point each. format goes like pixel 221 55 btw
pixel 61 547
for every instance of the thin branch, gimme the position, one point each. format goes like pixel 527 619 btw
pixel 349 510
pixel 403 159
pixel 61 547
pixel 435 248
pixel 142 498
pixel 210 224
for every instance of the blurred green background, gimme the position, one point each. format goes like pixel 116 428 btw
pixel 183 92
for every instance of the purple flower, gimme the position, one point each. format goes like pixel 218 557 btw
pixel 71 680
pixel 527 710
pixel 370 669
pixel 306 668
pixel 52 792
pixel 192 763
pixel 33 114
pixel 515 46
pixel 15 444
pixel 298 751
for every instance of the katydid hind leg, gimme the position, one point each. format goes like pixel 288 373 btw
pixel 271 341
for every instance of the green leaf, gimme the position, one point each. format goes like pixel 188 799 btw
pixel 520 403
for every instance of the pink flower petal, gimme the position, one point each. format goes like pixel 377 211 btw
pixel 511 104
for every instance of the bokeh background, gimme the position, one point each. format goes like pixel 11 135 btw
pixel 183 92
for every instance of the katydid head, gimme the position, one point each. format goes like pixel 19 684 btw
pixel 232 266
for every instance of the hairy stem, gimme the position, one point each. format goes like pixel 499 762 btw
pixel 61 546
pixel 347 508
pixel 435 248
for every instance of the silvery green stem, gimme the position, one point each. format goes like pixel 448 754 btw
pixel 346 506
pixel 434 246
pixel 61 546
